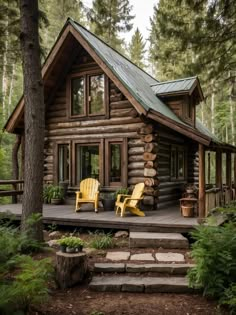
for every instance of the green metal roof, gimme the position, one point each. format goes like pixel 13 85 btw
pixel 175 86
pixel 137 81
pixel 200 127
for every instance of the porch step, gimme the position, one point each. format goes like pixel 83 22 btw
pixel 154 240
pixel 140 284
pixel 170 269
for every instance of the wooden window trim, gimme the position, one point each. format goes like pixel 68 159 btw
pixel 56 159
pixel 177 149
pixel 124 166
pixel 86 75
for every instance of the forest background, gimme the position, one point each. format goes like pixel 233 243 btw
pixel 186 38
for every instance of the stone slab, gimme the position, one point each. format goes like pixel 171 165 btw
pixel 176 269
pixel 136 284
pixel 116 256
pixel 142 257
pixel 112 267
pixel 170 257
pixel 156 240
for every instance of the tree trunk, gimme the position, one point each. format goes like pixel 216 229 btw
pixel 34 116
pixel 11 89
pixel 4 71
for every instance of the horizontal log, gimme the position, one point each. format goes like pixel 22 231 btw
pixel 164 178
pixel 165 204
pixel 55 107
pixel 147 129
pixel 136 150
pixel 150 191
pixel 151 147
pixel 135 143
pixel 93 136
pixel 169 136
pixel 163 171
pixel 136 165
pixel 4 193
pixel 119 112
pixel 171 184
pixel 149 156
pixel 58 113
pixel 93 123
pixel 136 173
pixel 150 172
pixel 164 155
pixel 60 99
pixel 169 197
pixel 135 180
pixel 170 190
pixel 121 105
pixel 116 98
pixel 11 181
pixel 135 158
pixel 151 164
pixel 48 178
pixel 133 113
pixel 49 158
pixel 96 130
pixel 150 182
pixel 149 138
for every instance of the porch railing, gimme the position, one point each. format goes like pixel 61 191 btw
pixel 16 188
pixel 216 197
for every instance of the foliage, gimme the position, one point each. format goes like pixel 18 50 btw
pixel 109 18
pixel 47 193
pixel 71 241
pixel 97 313
pixel 214 253
pixel 101 240
pixel 137 49
pixel 121 191
pixel 108 196
pixel 56 192
pixel 229 212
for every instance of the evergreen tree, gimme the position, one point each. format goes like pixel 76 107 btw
pixel 137 49
pixel 108 18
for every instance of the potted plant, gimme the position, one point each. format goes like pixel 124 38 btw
pixel 56 195
pixel 71 244
pixel 108 201
pixel 190 188
pixel 47 193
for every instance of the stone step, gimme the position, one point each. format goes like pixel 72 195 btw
pixel 172 269
pixel 140 284
pixel 154 240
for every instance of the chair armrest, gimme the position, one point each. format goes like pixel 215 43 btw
pixel 119 196
pixel 128 199
pixel 78 194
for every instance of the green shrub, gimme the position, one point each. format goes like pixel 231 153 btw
pixel 101 240
pixel 28 287
pixel 214 253
pixel 70 241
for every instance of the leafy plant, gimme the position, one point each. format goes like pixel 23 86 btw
pixel 56 192
pixel 47 193
pixel 101 240
pixel 214 252
pixel 71 241
pixel 122 191
pixel 108 196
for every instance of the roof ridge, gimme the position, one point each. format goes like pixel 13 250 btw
pixel 73 21
pixel 171 81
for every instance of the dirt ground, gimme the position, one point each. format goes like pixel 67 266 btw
pixel 81 301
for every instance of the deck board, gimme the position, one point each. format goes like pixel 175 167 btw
pixel 168 220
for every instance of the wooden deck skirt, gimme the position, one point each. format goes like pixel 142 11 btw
pixel 166 220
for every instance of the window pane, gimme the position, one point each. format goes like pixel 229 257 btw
pixel 115 167
pixel 63 162
pixel 87 162
pixel 173 163
pixel 180 164
pixel 96 92
pixel 77 96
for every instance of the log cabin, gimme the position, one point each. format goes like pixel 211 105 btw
pixel 108 119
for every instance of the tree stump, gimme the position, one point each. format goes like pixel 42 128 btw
pixel 70 268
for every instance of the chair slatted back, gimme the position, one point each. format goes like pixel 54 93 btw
pixel 137 193
pixel 88 188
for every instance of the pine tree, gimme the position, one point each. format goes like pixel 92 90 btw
pixel 137 49
pixel 108 18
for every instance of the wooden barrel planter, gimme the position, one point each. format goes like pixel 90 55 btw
pixel 187 211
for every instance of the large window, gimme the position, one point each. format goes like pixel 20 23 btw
pixel 63 162
pixel 87 95
pixel 178 163
pixel 87 162
pixel 116 168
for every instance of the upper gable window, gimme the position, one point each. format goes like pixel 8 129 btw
pixel 87 95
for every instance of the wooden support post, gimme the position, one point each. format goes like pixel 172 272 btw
pixel 201 212
pixel 234 170
pixel 208 168
pixel 228 170
pixel 218 169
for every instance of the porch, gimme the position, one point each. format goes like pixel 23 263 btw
pixel 166 220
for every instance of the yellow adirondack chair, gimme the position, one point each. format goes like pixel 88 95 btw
pixel 88 193
pixel 130 202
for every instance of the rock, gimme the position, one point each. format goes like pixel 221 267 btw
pixel 118 255
pixel 55 234
pixel 53 243
pixel 170 257
pixel 145 256
pixel 121 234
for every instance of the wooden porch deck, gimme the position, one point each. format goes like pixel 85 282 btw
pixel 166 220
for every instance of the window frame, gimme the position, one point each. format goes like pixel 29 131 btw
pixel 56 159
pixel 177 149
pixel 86 75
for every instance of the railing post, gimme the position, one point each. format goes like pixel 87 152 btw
pixel 202 196
pixel 219 173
